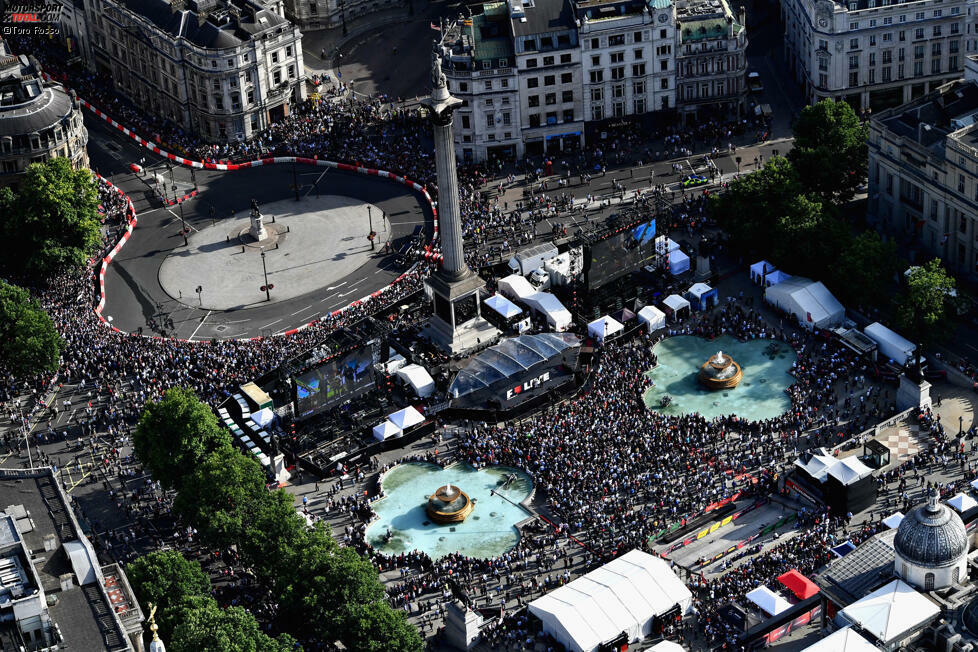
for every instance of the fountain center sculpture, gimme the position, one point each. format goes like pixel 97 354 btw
pixel 720 372
pixel 449 505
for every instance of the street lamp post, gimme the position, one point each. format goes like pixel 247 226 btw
pixel 193 176
pixel 183 225
pixel 264 269
pixel 200 302
pixel 372 237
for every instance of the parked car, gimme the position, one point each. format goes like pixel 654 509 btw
pixel 754 82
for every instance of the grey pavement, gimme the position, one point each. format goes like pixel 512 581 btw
pixel 313 244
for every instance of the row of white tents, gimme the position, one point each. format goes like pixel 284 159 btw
pixel 397 423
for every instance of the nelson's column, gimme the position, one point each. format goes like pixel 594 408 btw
pixel 456 324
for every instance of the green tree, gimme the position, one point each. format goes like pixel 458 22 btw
pixel 920 309
pixel 807 238
pixel 864 266
pixel 750 208
pixel 167 579
pixel 376 627
pixel 830 152
pixel 29 344
pixel 175 434
pixel 204 625
pixel 51 222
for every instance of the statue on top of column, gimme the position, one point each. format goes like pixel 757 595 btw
pixel 437 74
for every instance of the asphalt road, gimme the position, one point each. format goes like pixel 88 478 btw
pixel 134 297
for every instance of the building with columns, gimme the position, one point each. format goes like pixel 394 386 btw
pixel 39 120
pixel 711 58
pixel 923 173
pixel 876 54
pixel 221 69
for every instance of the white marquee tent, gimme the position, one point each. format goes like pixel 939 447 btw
pixel 263 417
pixel 849 470
pixel 418 378
pixel 842 640
pixel 962 503
pixel 506 308
pixel 667 646
pixel 893 520
pixel 386 430
pixel 624 595
pixel 406 418
pixel 891 612
pixel 809 301
pixel 676 304
pixel 653 317
pixel 678 262
pixel 604 327
pixel 551 308
pixel 769 602
pixel 515 287
pixel 889 343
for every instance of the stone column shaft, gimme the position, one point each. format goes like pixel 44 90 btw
pixel 449 214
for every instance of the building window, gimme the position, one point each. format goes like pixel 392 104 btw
pixel 618 90
pixel 548 61
pixel 616 39
pixel 617 57
pixel 534 120
pixel 639 106
pixel 533 101
pixel 549 80
pixel 565 58
pixel 637 37
pixel 595 44
pixel 638 88
pixel 507 120
pixel 550 99
pixel 568 115
pixel 597 112
pixel 531 63
pixel 619 109
pixel 638 70
pixel 597 76
pixel 853 44
pixel 566 78
pixel 638 54
pixel 567 96
pixel 595 59
pixel 275 57
pixel 618 72
pixel 597 94
pixel 928 581
pixel 532 82
pixel 664 84
pixel 490 121
pixel 487 85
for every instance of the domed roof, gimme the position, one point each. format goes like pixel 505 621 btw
pixel 931 535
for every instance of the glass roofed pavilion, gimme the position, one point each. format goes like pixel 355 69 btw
pixel 507 373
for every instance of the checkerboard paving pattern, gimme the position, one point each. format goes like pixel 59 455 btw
pixel 903 442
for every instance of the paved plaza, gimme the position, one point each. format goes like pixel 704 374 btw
pixel 313 243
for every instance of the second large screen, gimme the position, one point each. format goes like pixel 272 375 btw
pixel 621 253
pixel 334 382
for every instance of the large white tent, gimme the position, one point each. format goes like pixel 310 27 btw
pixel 506 308
pixel 889 343
pixel 676 304
pixel 849 470
pixel 758 269
pixel 418 378
pixel 891 612
pixel 893 520
pixel 386 430
pixel 551 308
pixel 624 595
pixel 678 262
pixel 842 640
pixel 809 301
pixel 604 327
pixel 769 602
pixel 962 503
pixel 515 287
pixel 406 418
pixel 653 317
pixel 667 646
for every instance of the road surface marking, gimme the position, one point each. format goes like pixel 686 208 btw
pixel 191 338
pixel 267 325
pixel 301 310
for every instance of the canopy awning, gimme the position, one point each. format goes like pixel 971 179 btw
pixel 652 316
pixel 842 640
pixel 604 327
pixel 263 417
pixel 515 286
pixel 893 520
pixel 889 613
pixel 406 418
pixel 675 302
pixel 758 269
pixel 962 503
pixel 503 306
pixel 801 586
pixel 699 290
pixel 418 378
pixel 386 430
pixel 768 601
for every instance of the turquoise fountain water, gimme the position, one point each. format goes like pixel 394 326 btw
pixel 760 395
pixel 488 532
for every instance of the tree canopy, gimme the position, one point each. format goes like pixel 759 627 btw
pixel 921 307
pixel 208 627
pixel 51 222
pixel 830 153
pixel 167 579
pixel 175 434
pixel 29 344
